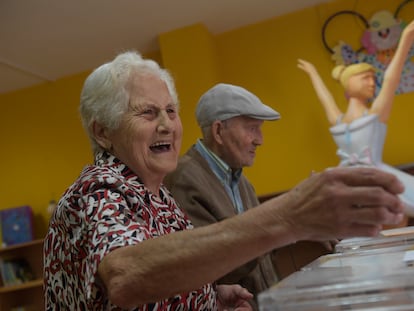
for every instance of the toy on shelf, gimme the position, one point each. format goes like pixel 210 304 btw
pixel 16 225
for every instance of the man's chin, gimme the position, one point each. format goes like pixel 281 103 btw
pixel 248 164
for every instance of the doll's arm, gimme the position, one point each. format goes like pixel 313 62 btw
pixel 383 103
pixel 331 109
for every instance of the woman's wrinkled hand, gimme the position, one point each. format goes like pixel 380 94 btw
pixel 234 298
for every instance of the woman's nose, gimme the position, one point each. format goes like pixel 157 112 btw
pixel 164 122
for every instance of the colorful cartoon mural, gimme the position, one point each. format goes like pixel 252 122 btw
pixel 379 42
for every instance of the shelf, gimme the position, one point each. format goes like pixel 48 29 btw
pixel 28 294
pixel 25 285
pixel 21 245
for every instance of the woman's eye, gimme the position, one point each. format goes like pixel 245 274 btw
pixel 149 111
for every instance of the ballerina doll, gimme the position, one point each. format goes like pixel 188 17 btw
pixel 360 132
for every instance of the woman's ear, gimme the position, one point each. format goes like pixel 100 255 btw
pixel 100 133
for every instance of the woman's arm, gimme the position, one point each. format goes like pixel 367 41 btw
pixel 331 109
pixel 383 102
pixel 320 208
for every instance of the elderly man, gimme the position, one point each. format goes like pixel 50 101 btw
pixel 208 182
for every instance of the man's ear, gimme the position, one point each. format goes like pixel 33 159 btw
pixel 216 131
pixel 100 133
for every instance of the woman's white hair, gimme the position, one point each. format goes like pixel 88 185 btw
pixel 105 96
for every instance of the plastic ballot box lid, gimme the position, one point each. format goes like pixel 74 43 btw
pixel 347 281
pixel 349 267
pixel 391 238
pixel 394 293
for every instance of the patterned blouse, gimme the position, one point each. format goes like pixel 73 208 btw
pixel 108 207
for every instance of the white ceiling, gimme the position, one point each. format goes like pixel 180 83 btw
pixel 44 40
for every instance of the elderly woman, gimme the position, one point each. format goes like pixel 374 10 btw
pixel 117 239
pixel 360 132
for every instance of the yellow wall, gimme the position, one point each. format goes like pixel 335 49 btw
pixel 262 57
pixel 44 146
pixel 266 63
pixel 190 54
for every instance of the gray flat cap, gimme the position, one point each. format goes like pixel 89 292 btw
pixel 225 101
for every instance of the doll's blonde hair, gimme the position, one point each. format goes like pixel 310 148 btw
pixel 342 73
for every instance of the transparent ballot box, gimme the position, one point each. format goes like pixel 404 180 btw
pixel 348 267
pixel 347 281
pixel 388 239
pixel 367 264
pixel 395 293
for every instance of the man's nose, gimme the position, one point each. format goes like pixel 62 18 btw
pixel 258 139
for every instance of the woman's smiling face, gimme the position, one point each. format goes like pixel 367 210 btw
pixel 149 137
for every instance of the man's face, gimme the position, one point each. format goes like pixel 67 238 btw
pixel 240 136
pixel 149 137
